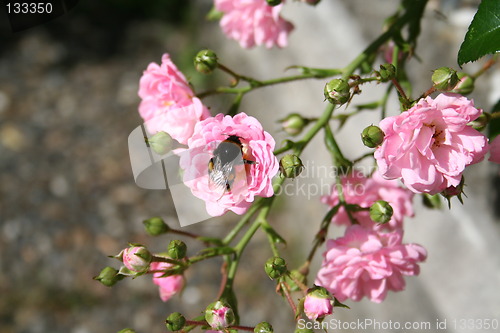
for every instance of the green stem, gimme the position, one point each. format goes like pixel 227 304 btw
pixel 243 221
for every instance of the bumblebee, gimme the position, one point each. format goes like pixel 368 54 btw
pixel 221 167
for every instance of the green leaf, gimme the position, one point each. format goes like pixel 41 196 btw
pixel 483 36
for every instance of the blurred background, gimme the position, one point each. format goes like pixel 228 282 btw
pixel 68 101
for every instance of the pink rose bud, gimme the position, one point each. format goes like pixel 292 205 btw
pixel 136 258
pixel 318 303
pixel 219 315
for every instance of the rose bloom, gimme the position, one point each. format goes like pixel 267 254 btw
pixel 168 102
pixel 367 263
pixel 495 150
pixel 253 22
pixel 364 191
pixel 168 285
pixel 430 145
pixel 250 180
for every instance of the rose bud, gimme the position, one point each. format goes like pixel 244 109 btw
pixel 219 315
pixel 318 303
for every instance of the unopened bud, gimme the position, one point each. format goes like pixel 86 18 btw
pixel 465 84
pixel 372 136
pixel 337 91
pixel 136 258
pixel 177 249
pixel 275 267
pixel 161 143
pixel 381 211
pixel 219 315
pixel 205 61
pixel 273 2
pixel 387 72
pixel 444 78
pixel 318 303
pixel 263 327
pixel 126 330
pixel 481 122
pixel 175 322
pixel 294 123
pixel 291 166
pixel 108 276
pixel 155 226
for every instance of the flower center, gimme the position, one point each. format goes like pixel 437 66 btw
pixel 438 136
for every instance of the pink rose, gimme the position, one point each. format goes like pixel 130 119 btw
pixel 367 263
pixel 495 150
pixel 168 285
pixel 363 191
pixel 168 102
pixel 250 179
pixel 253 22
pixel 430 145
pixel 318 303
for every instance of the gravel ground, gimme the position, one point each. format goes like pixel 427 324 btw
pixel 68 100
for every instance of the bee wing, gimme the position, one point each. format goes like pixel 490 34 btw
pixel 218 175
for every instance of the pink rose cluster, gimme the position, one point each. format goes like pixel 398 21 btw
pixel 429 146
pixel 370 259
pixel 168 102
pixel 368 263
pixel 251 179
pixel 253 22
pixel 364 191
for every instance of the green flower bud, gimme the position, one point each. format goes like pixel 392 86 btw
pixel 205 61
pixel 177 249
pixel 444 78
pixel 372 136
pixel 219 315
pixel 156 226
pixel 175 322
pixel 126 330
pixel 275 267
pixel 263 327
pixel 273 2
pixel 465 84
pixel 481 122
pixel 294 123
pixel 108 276
pixel 161 143
pixel 387 72
pixel 297 276
pixel 291 166
pixel 337 91
pixel 381 211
